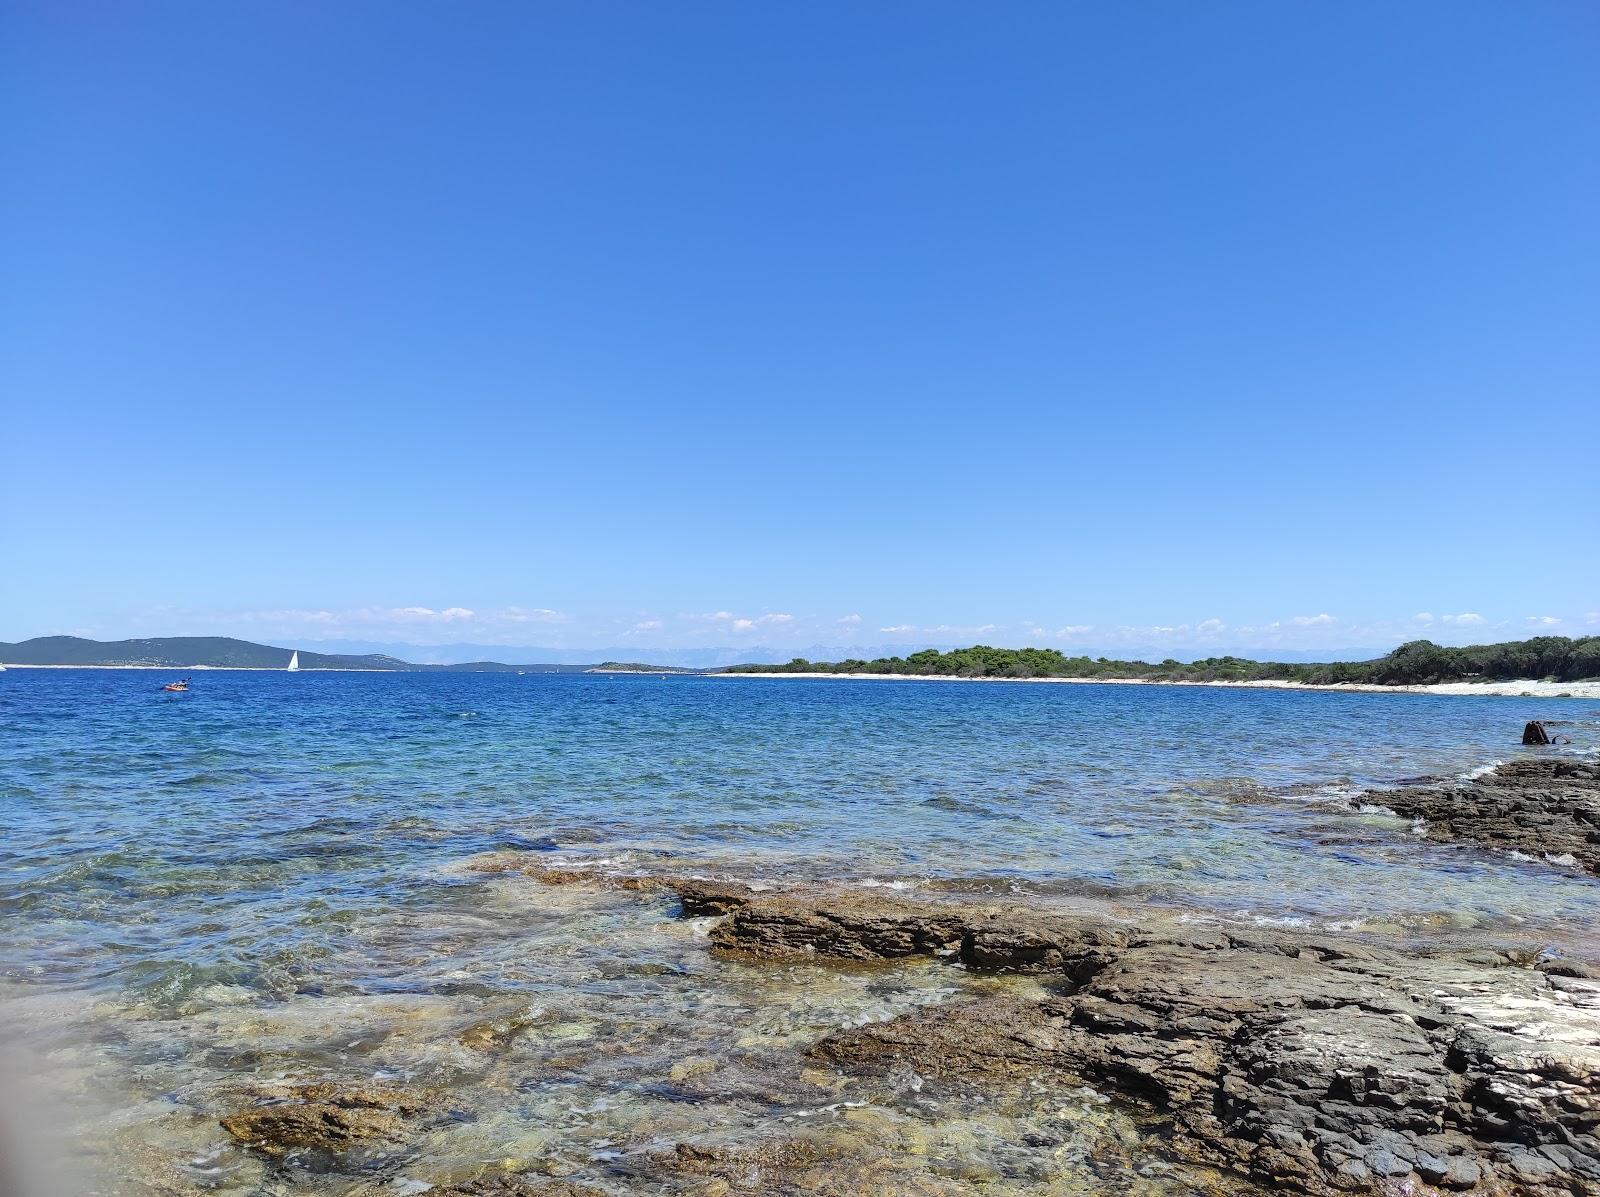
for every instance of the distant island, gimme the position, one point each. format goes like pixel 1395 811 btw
pixel 1419 662
pixel 224 652
pixel 640 667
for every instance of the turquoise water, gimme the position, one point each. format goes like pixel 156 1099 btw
pixel 199 891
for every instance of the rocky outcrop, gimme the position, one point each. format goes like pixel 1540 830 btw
pixel 700 898
pixel 1317 1064
pixel 774 928
pixel 866 929
pixel 1547 808
pixel 321 1117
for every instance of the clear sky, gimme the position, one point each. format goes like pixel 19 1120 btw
pixel 1163 324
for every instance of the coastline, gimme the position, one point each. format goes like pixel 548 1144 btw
pixel 1309 1060
pixel 1515 689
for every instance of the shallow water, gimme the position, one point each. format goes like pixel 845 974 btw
pixel 269 879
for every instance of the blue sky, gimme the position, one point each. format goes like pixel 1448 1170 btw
pixel 1162 325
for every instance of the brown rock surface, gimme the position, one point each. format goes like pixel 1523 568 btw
pixel 519 1184
pixel 324 1117
pixel 1317 1064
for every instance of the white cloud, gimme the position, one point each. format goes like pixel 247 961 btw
pixel 1543 621
pixel 647 625
pixel 287 615
pixel 1423 617
pixel 1467 619
pixel 1592 618
pixel 377 618
pixel 848 620
pixel 532 615
pixel 1313 621
pixel 1209 627
pixel 899 627
pixel 742 623
pixel 380 615
pixel 1075 629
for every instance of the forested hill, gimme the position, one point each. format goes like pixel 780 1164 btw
pixel 1419 662
pixel 178 652
pixel 222 652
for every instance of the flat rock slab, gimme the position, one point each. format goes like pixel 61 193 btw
pixel 1318 1064
pixel 1547 808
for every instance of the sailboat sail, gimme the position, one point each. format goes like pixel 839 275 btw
pixel 294 660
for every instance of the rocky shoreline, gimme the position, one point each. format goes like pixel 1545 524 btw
pixel 1320 1064
pixel 1313 1063
pixel 1545 808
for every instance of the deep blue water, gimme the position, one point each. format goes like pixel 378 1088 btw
pixel 260 816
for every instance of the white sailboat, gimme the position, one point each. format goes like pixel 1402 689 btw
pixel 294 661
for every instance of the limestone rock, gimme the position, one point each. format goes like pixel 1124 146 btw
pixel 1311 1063
pixel 1544 807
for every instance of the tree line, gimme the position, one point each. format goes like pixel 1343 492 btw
pixel 1418 662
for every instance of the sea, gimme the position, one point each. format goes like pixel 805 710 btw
pixel 209 898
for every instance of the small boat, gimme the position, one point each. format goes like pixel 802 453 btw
pixel 294 661
pixel 177 687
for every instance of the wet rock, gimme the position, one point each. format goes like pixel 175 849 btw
pixel 322 1117
pixel 1312 1063
pixel 519 1184
pixel 815 1166
pixel 1007 942
pixel 496 1034
pixel 1547 808
pixel 524 843
pixel 700 898
pixel 860 930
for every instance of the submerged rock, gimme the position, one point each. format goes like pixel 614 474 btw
pixel 818 1165
pixel 322 1117
pixel 520 1184
pixel 496 1034
pixel 1318 1064
pixel 1547 808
